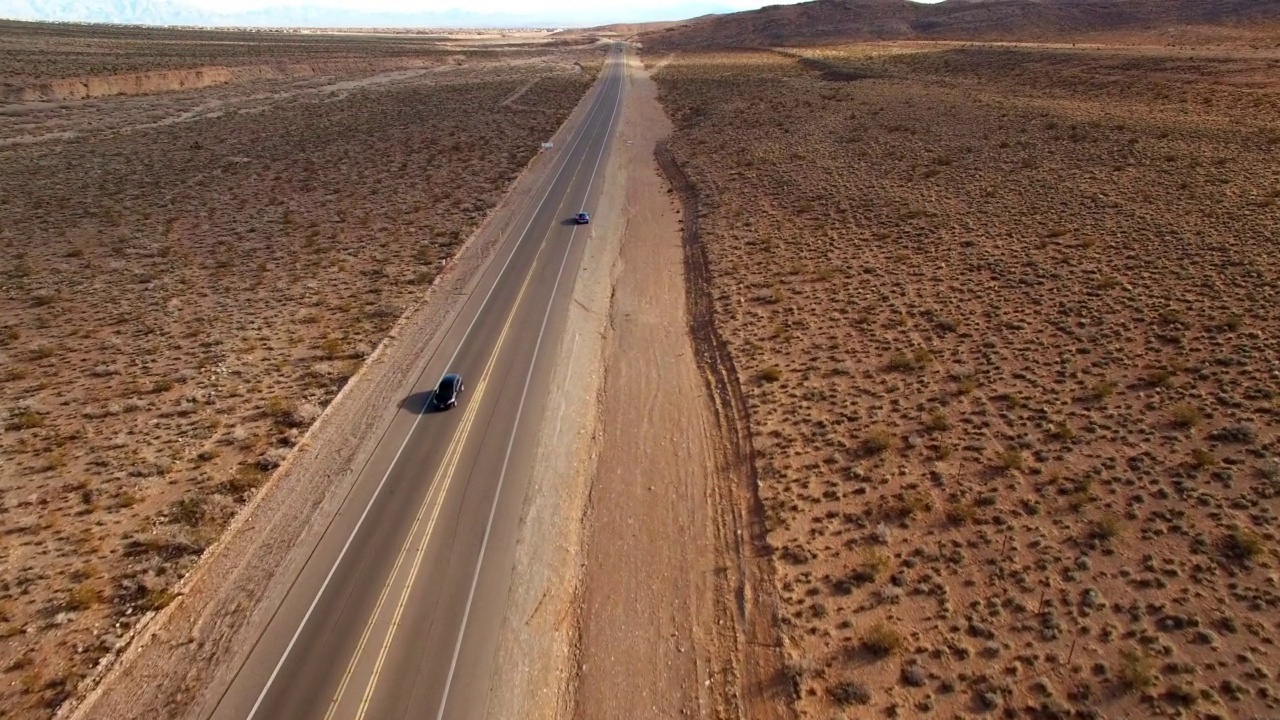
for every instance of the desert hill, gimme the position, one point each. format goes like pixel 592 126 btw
pixel 826 21
pixel 619 29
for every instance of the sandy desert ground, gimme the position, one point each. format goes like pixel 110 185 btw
pixel 1007 321
pixel 188 276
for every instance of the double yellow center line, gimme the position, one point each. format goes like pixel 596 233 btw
pixel 432 503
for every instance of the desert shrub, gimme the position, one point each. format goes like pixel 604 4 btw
pixel 1106 527
pixel 937 422
pixel 797 671
pixel 1201 458
pixel 1062 431
pixel 881 640
pixel 913 361
pixel 1103 389
pixel 1181 693
pixel 960 512
pixel 332 347
pixel 156 599
pixel 1010 459
pixel 1185 415
pixel 870 568
pixel 1137 672
pixel 771 373
pixel 1243 434
pixel 247 477
pixel 1242 545
pixel 278 408
pixel 83 596
pixel 25 420
pixel 878 441
pixel 908 505
pixel 189 511
pixel 1173 316
pixel 850 692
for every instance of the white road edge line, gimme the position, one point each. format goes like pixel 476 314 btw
pixel 378 490
pixel 475 578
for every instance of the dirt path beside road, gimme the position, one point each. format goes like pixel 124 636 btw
pixel 662 626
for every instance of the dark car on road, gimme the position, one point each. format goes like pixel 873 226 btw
pixel 582 218
pixel 446 395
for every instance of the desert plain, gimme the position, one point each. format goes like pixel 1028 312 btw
pixel 204 234
pixel 1006 321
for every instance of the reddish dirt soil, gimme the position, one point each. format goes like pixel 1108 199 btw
pixel 1006 320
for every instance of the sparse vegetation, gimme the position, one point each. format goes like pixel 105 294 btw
pixel 175 264
pixel 1096 407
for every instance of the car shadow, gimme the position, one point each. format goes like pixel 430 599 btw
pixel 419 403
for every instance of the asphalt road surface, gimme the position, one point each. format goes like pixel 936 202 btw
pixel 397 612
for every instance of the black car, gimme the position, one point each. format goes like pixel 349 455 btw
pixel 446 395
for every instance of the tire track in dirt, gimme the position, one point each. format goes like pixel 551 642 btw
pixel 766 691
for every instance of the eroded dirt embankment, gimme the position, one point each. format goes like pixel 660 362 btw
pixel 162 81
pixel 143 83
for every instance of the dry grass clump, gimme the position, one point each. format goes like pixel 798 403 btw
pixel 1055 318
pixel 1137 671
pixel 193 277
pixel 879 441
pixel 881 640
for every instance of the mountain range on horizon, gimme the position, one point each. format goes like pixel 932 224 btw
pixel 176 12
pixel 826 21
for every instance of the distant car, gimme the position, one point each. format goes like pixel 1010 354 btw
pixel 446 395
pixel 582 218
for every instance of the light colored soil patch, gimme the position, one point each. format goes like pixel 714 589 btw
pixel 1006 321
pixel 658 638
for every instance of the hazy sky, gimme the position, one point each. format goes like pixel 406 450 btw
pixel 566 8
pixel 523 7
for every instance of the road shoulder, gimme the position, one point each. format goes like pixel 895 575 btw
pixel 658 635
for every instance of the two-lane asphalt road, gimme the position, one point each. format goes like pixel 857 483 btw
pixel 397 612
